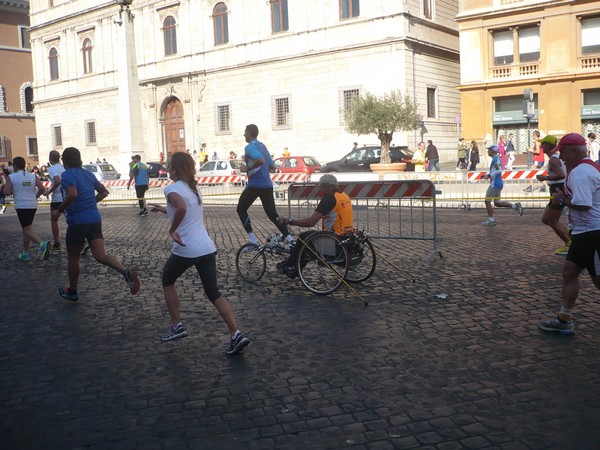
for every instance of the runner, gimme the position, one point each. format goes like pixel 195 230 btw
pixel 139 171
pixel 56 169
pixel 22 185
pixel 191 247
pixel 84 222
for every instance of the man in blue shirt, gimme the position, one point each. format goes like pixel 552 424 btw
pixel 258 161
pixel 139 171
pixel 80 200
pixel 495 190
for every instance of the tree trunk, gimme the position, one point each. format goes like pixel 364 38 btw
pixel 385 139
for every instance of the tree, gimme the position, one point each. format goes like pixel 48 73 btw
pixel 383 116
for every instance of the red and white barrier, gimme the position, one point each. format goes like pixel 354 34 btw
pixel 509 174
pixel 369 190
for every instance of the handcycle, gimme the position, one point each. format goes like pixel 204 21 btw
pixel 325 261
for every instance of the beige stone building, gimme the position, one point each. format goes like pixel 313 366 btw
pixel 17 120
pixel 172 75
pixel 551 47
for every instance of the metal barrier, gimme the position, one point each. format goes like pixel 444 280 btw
pixel 384 209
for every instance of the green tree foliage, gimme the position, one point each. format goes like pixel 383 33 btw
pixel 382 115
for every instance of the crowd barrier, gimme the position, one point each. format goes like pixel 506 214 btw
pixel 383 209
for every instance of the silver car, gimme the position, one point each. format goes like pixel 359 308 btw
pixel 103 171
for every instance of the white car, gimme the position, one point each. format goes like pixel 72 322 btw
pixel 103 171
pixel 221 168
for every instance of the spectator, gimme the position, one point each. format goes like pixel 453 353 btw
pixel 214 156
pixel 474 157
pixel 432 156
pixel 418 158
pixel 510 152
pixel 502 150
pixel 461 154
pixel 593 147
pixel 232 155
pixel 286 152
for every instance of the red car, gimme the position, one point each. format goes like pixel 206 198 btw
pixel 297 164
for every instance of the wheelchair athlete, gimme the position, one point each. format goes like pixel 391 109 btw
pixel 336 209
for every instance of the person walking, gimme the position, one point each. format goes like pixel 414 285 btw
pixel 582 196
pixel 139 171
pixel 510 152
pixel 461 154
pixel 56 169
pixel 474 157
pixel 593 147
pixel 502 150
pixel 494 191
pixel 191 247
pixel 418 158
pixel 556 180
pixel 26 188
pixel 538 160
pixel 258 162
pixel 432 156
pixel 80 202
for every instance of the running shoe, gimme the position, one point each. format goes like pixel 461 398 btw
pixel 45 249
pixel 563 250
pixel 528 189
pixel 556 325
pixel 86 247
pixel 24 256
pixel 67 294
pixel 56 246
pixel 237 344
pixel 133 281
pixel 488 223
pixel 175 332
pixel 519 208
pixel 2 210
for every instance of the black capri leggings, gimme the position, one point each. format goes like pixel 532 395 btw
pixel 249 195
pixel 205 265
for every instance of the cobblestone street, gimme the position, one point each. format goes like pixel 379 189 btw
pixel 408 371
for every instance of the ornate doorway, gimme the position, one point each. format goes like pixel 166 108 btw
pixel 174 126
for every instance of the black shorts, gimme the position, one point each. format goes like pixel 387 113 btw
pixel 140 191
pixel 54 205
pixel 26 216
pixel 77 234
pixel 553 188
pixel 205 265
pixel 585 251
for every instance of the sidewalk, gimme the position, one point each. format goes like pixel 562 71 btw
pixel 408 371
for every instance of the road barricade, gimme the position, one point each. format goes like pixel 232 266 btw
pixel 403 209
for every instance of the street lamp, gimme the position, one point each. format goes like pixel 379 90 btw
pixel 124 7
pixel 528 113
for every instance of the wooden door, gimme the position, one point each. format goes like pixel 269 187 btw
pixel 174 126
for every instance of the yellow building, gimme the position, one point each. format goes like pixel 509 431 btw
pixel 550 47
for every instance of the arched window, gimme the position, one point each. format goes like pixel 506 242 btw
pixel 86 49
pixel 29 99
pixel 170 36
pixel 53 58
pixel 220 21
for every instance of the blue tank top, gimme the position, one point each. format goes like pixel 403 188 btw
pixel 261 178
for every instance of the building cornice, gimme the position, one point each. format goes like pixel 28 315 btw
pixel 510 9
pixel 529 81
pixel 21 6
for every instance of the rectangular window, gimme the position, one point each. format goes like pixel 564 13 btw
pixel 431 102
pixel 24 37
pixel 591 97
pixel 57 136
pixel 349 9
pixel 223 119
pixel 90 132
pixel 32 146
pixel 428 6
pixel 590 35
pixel 279 15
pixel 2 147
pixel 347 98
pixel 503 47
pixel 281 116
pixel 529 44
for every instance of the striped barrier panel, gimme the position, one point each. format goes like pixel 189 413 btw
pixel 509 174
pixel 403 209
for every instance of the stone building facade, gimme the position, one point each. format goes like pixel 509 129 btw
pixel 193 72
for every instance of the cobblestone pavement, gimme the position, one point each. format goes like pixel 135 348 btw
pixel 408 371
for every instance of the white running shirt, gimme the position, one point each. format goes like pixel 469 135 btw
pixel 24 189
pixel 192 230
pixel 56 170
pixel 584 185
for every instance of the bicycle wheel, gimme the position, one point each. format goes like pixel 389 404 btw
pixel 322 263
pixel 251 262
pixel 362 261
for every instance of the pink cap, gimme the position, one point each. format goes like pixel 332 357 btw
pixel 570 139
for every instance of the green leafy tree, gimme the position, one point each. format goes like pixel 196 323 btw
pixel 382 115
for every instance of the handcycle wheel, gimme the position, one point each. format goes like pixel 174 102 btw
pixel 362 261
pixel 250 262
pixel 322 262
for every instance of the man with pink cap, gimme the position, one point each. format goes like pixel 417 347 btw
pixel 582 195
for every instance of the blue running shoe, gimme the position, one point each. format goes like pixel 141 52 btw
pixel 237 344
pixel 67 294
pixel 24 256
pixel 45 249
pixel 175 332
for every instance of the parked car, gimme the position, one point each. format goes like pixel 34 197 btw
pixel 360 160
pixel 156 170
pixel 297 164
pixel 103 171
pixel 221 168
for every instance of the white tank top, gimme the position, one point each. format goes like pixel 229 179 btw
pixel 564 169
pixel 24 189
